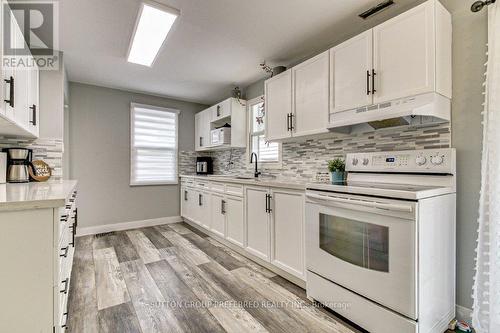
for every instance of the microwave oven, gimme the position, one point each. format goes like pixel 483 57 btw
pixel 220 136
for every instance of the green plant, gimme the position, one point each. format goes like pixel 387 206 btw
pixel 336 165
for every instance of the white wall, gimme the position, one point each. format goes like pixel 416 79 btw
pixel 99 143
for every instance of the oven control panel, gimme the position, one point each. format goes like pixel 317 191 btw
pixel 440 161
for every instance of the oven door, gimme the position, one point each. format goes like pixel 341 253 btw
pixel 367 245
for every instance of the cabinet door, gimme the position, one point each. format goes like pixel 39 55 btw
pixel 218 218
pixel 233 207
pixel 221 110
pixel 21 83
pixel 204 217
pixel 198 130
pixel 403 55
pixel 258 228
pixel 278 106
pixel 185 209
pixel 350 77
pixel 311 89
pixel 33 101
pixel 288 232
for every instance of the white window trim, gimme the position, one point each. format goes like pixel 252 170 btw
pixel 264 165
pixel 131 132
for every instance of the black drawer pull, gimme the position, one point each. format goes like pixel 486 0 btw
pixel 10 101
pixel 66 285
pixel 65 325
pixel 65 249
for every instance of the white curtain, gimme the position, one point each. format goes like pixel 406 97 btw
pixel 486 292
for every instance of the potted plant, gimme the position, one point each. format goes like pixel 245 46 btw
pixel 337 170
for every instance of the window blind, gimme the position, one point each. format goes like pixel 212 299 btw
pixel 153 145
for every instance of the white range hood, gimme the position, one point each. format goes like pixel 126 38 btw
pixel 425 109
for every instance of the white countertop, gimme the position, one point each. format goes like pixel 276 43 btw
pixel 261 181
pixel 35 195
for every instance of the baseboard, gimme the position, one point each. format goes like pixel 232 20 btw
pixel 84 231
pixel 463 313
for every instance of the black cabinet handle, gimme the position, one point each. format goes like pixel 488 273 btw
pixel 291 122
pixel 199 200
pixel 66 284
pixel 201 141
pixel 185 195
pixel 368 82
pixel 218 110
pixel 267 203
pixel 10 101
pixel 269 210
pixel 33 109
pixel 73 233
pixel 65 249
pixel 373 82
pixel 65 325
pixel 223 207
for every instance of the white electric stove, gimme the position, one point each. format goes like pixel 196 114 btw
pixel 383 242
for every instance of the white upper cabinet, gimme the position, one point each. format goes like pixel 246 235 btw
pixel 202 129
pixel 351 66
pixel 278 106
pixel 33 101
pixel 19 89
pixel 311 96
pixel 221 110
pixel 407 58
pixel 231 111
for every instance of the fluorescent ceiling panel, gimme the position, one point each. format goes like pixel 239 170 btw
pixel 152 27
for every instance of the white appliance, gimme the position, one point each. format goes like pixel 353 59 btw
pixel 383 243
pixel 3 168
pixel 220 136
pixel 415 110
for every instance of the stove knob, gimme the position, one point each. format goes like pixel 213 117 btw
pixel 437 160
pixel 421 160
pixel 366 161
pixel 354 161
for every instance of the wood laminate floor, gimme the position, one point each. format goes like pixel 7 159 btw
pixel 174 278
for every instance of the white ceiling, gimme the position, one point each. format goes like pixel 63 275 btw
pixel 214 45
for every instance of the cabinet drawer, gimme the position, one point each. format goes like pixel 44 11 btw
pixel 217 187
pixel 202 184
pixel 187 181
pixel 234 189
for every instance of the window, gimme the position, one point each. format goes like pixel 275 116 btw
pixel 153 145
pixel 268 152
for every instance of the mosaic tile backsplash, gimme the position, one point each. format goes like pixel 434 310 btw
pixel 48 150
pixel 304 158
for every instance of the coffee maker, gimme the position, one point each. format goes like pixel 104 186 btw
pixel 18 161
pixel 204 165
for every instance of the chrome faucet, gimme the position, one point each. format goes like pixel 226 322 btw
pixel 257 173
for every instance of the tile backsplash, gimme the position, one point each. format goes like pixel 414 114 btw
pixel 304 158
pixel 49 150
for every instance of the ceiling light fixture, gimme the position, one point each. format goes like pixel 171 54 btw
pixel 151 28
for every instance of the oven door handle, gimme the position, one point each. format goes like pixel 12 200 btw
pixel 386 206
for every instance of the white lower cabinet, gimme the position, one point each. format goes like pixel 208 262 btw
pixel 218 217
pixel 266 222
pixel 36 251
pixel 288 231
pixel 203 209
pixel 258 222
pixel 235 220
